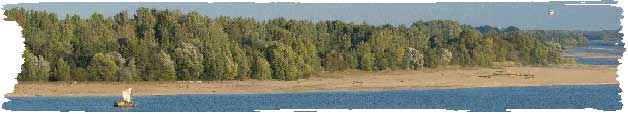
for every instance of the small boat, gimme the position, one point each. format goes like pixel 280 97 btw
pixel 126 100
pixel 124 104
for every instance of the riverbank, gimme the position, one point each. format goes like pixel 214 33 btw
pixel 344 81
pixel 594 55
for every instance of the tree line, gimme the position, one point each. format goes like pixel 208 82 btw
pixel 607 37
pixel 168 45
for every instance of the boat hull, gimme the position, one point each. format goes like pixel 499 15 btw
pixel 123 104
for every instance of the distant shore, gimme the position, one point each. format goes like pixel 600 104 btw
pixel 350 80
pixel 594 55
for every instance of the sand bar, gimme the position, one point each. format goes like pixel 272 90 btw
pixel 344 81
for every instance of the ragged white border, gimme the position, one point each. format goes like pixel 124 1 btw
pixel 12 46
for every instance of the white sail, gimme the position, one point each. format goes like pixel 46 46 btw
pixel 126 95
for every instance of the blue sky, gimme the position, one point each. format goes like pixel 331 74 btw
pixel 523 15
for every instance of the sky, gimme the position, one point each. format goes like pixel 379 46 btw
pixel 523 15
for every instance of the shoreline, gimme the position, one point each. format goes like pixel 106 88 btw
pixel 351 80
pixel 594 55
pixel 374 90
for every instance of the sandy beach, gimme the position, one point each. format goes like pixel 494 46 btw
pixel 344 81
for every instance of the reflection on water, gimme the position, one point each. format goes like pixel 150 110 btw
pixel 602 97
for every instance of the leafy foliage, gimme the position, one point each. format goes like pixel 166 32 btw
pixel 167 45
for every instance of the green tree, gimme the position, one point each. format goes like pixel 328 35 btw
pixel 281 62
pixel 262 69
pixel 218 57
pixel 166 68
pixel 43 67
pixel 382 47
pixel 445 56
pixel 243 62
pixel 367 60
pixel 129 71
pixel 35 68
pixel 104 66
pixel 413 59
pixel 28 68
pixel 62 71
pixel 189 62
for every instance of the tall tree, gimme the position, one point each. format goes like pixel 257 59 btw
pixel 35 68
pixel 189 62
pixel 166 67
pixel 62 71
pixel 262 69
pixel 283 68
pixel 104 66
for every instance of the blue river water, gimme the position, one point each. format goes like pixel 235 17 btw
pixel 595 61
pixel 597 49
pixel 601 97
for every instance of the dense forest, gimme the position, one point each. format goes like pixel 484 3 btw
pixel 168 45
